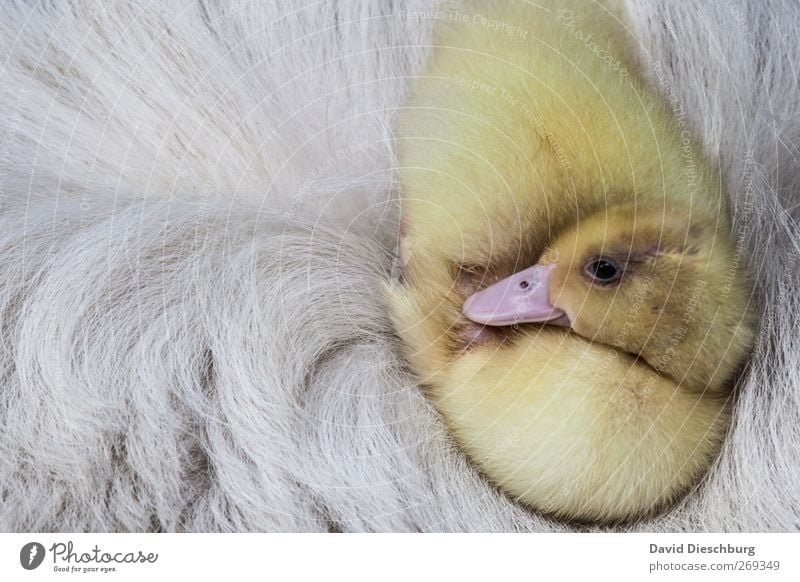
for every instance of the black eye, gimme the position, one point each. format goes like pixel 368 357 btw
pixel 602 270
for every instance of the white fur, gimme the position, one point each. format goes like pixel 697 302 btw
pixel 196 221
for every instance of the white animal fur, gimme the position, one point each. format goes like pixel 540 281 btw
pixel 195 222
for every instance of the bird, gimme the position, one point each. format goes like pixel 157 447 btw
pixel 569 296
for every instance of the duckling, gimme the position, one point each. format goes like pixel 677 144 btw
pixel 569 295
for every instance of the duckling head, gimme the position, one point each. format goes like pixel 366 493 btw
pixel 649 279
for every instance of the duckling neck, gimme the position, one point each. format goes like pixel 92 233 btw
pixel 701 357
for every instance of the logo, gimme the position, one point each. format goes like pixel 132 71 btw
pixel 31 555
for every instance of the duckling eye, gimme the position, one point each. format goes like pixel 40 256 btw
pixel 602 270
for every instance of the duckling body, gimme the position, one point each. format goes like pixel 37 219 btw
pixel 509 137
pixel 587 434
pixel 537 145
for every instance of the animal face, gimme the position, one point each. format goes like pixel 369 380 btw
pixel 646 280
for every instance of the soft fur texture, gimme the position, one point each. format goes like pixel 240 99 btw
pixel 530 148
pixel 197 223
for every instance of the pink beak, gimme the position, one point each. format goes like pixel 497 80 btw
pixel 521 298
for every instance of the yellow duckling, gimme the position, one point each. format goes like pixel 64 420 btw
pixel 569 295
